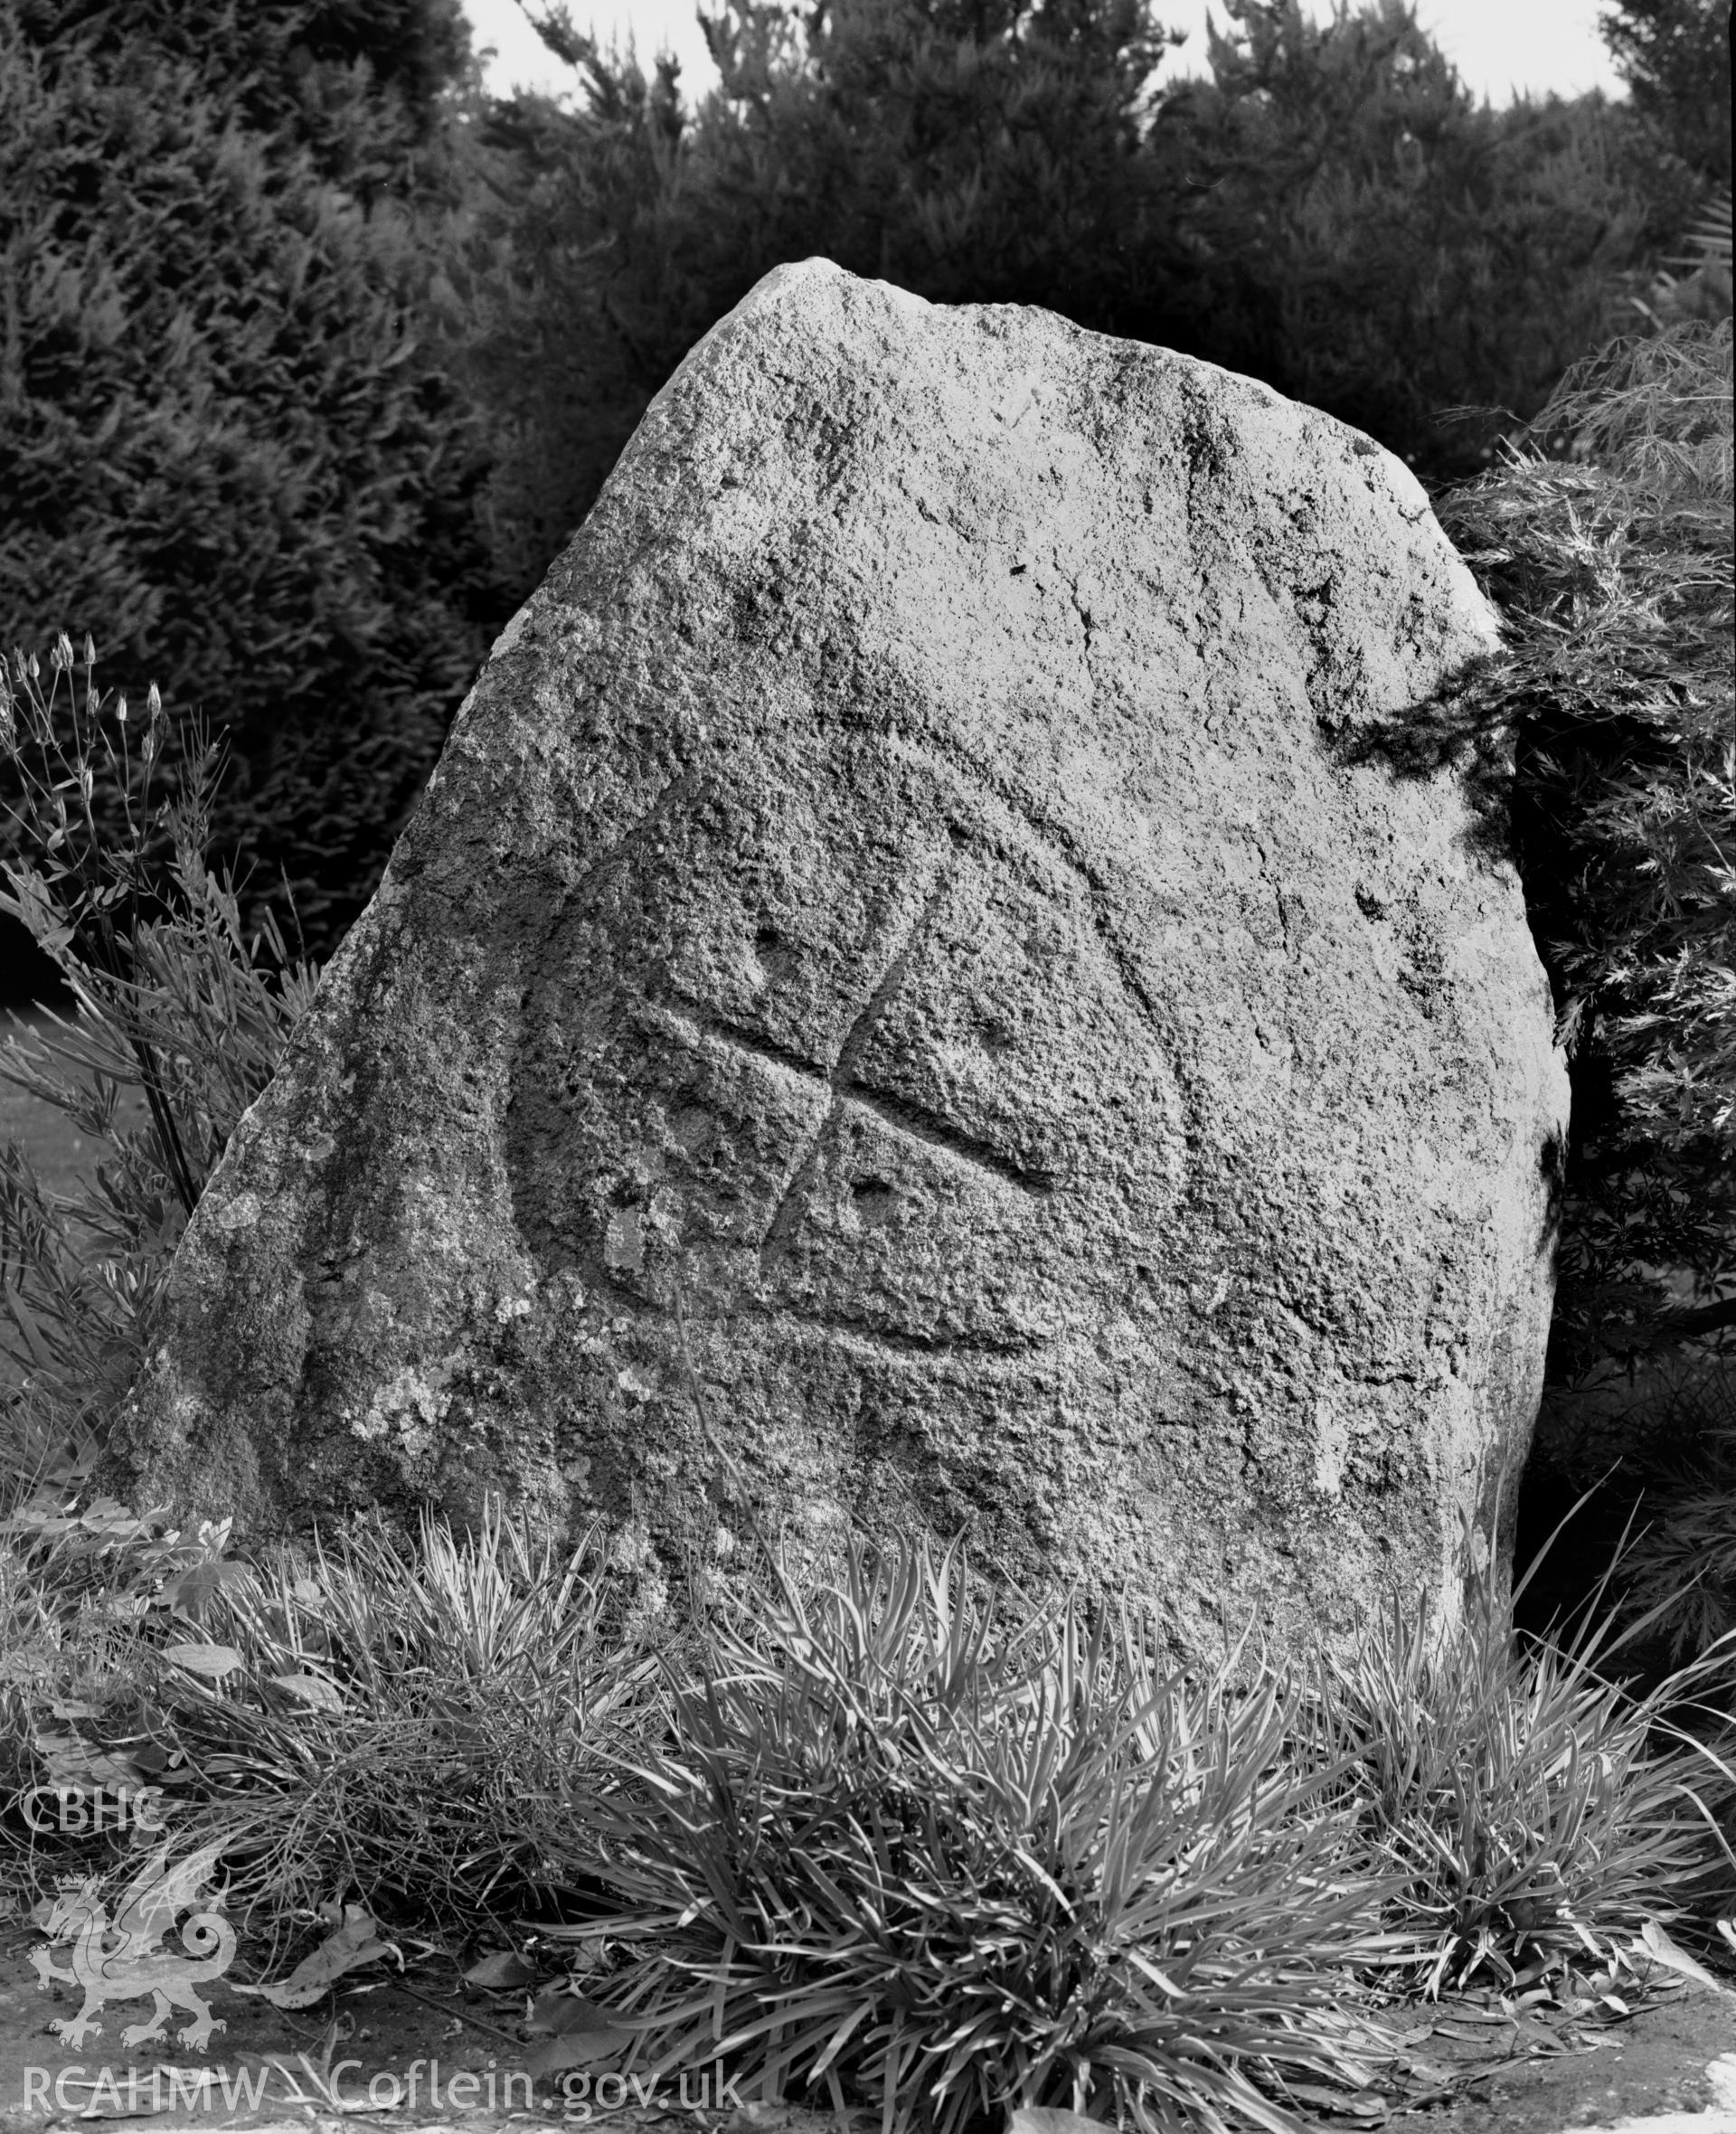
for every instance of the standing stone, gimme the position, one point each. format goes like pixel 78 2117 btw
pixel 897 890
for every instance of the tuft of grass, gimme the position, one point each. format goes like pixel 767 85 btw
pixel 355 1717
pixel 395 1722
pixel 1534 1810
pixel 957 1855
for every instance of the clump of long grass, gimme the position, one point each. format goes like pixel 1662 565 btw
pixel 1535 1808
pixel 351 1718
pixel 390 1722
pixel 955 1855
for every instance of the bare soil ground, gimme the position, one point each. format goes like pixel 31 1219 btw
pixel 1544 2073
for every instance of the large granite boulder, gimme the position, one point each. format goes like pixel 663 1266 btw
pixel 896 905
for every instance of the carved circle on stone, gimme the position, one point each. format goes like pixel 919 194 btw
pixel 883 1121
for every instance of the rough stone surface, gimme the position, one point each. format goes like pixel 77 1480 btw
pixel 894 880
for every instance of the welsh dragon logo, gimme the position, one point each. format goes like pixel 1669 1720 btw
pixel 124 1961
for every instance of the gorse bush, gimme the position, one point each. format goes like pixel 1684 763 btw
pixel 1330 211
pixel 1674 56
pixel 1369 239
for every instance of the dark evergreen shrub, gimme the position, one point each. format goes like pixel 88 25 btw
pixel 226 450
pixel 1674 57
pixel 1413 251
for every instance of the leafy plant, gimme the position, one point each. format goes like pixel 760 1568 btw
pixel 1613 578
pixel 1704 288
pixel 84 1583
pixel 958 1851
pixel 1680 1569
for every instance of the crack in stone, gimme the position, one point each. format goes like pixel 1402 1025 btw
pixel 1083 613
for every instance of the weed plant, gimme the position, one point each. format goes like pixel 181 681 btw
pixel 177 1005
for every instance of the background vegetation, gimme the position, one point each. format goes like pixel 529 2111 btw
pixel 223 445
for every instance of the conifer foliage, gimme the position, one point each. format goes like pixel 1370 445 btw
pixel 1375 241
pixel 982 153
pixel 1328 212
pixel 224 445
pixel 1674 57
